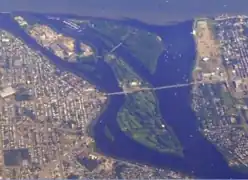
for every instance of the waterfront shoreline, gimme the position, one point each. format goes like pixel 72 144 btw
pixel 91 125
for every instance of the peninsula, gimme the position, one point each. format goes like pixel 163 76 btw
pixel 62 46
pixel 220 102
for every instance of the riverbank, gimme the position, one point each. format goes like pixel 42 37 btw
pixel 90 127
pixel 218 109
pixel 145 46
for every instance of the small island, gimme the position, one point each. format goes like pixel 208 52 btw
pixel 140 117
pixel 145 46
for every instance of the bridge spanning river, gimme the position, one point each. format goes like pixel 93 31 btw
pixel 137 89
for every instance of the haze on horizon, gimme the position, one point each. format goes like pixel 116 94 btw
pixel 150 11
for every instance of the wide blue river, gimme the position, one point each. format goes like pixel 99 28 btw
pixel 150 11
pixel 174 66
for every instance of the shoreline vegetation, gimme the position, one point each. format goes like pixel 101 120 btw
pixel 143 45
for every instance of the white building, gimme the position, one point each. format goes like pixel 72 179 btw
pixel 205 59
pixel 7 92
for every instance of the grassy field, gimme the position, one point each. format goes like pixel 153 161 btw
pixel 140 119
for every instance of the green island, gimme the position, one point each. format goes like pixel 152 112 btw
pixel 145 46
pixel 139 118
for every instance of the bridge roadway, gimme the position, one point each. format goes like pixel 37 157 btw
pixel 123 39
pixel 162 87
pixel 116 47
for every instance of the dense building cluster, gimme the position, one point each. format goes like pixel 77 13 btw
pixel 222 107
pixel 44 111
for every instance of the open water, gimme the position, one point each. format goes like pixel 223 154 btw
pixel 150 11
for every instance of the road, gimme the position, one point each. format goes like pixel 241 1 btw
pixel 161 87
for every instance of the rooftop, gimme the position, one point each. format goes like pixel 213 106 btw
pixel 8 91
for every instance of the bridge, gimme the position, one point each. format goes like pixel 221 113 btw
pixel 133 90
pixel 123 39
pixel 116 47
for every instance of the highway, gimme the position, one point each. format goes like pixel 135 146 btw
pixel 132 90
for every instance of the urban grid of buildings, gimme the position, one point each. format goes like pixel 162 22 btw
pixel 44 115
pixel 222 108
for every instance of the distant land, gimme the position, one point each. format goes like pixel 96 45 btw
pixel 149 11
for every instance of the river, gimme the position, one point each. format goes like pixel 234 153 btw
pixel 200 156
pixel 149 11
